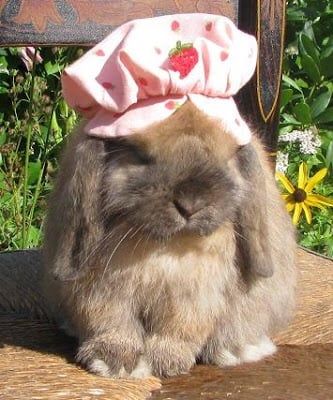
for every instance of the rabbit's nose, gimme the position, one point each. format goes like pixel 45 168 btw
pixel 188 207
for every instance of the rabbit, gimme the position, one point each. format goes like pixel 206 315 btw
pixel 168 247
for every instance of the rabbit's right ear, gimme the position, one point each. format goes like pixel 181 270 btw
pixel 252 221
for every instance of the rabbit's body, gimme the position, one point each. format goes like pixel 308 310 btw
pixel 160 263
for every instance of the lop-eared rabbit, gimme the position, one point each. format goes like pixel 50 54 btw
pixel 168 247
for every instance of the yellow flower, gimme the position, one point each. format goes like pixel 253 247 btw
pixel 301 198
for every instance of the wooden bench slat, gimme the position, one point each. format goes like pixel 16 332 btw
pixel 67 22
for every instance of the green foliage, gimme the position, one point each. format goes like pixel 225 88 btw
pixel 34 121
pixel 307 107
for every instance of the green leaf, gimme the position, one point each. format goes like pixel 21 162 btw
pixel 285 129
pixel 3 137
pixel 52 68
pixel 326 116
pixel 327 51
pixel 33 236
pixel 308 47
pixel 329 155
pixel 34 169
pixel 326 65
pixel 3 62
pixel 63 108
pixel 320 103
pixel 290 82
pixel 2 180
pixel 308 30
pixel 327 47
pixel 54 124
pixel 289 119
pixel 310 67
pixel 295 14
pixel 303 113
pixel 286 96
pixel 302 83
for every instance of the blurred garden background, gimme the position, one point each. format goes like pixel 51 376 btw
pixel 35 122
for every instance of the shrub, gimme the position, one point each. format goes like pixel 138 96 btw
pixel 306 122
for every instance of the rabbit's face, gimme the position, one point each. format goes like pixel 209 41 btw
pixel 174 179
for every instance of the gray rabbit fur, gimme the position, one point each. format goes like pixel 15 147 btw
pixel 168 247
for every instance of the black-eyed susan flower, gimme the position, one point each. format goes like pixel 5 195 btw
pixel 300 198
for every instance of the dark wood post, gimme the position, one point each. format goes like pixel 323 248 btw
pixel 259 101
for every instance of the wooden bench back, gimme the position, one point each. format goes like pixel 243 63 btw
pixel 85 22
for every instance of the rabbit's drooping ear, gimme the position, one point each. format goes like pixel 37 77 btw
pixel 72 232
pixel 252 222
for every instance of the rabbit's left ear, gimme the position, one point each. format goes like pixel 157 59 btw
pixel 252 221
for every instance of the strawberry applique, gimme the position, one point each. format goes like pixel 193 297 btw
pixel 183 58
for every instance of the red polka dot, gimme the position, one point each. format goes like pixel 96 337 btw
pixel 209 26
pixel 107 85
pixel 143 82
pixel 224 55
pixel 175 25
pixel 100 53
pixel 170 105
pixel 158 50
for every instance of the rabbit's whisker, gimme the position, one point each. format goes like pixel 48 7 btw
pixel 115 249
pixel 139 240
pixel 241 236
pixel 97 246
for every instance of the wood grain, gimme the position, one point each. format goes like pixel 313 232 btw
pixel 294 373
pixel 86 22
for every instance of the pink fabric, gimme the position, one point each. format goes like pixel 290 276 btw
pixel 126 82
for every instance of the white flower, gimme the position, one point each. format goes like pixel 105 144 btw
pixel 309 140
pixel 292 49
pixel 281 162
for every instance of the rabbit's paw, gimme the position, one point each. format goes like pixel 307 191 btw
pixel 252 353
pixel 168 356
pixel 225 358
pixel 142 369
pixel 109 356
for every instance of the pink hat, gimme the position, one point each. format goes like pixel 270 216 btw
pixel 146 69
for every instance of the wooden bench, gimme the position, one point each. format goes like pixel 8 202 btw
pixel 36 360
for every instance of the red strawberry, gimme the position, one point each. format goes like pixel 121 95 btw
pixel 183 58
